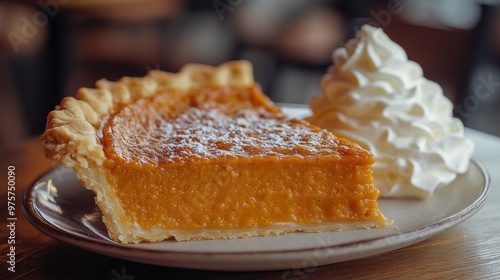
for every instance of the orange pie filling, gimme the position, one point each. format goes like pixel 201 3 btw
pixel 226 158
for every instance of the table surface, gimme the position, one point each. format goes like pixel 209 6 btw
pixel 470 250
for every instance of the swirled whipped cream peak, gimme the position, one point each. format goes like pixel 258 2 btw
pixel 374 96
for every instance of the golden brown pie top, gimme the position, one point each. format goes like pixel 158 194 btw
pixel 210 124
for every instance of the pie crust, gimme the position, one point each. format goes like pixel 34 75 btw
pixel 74 137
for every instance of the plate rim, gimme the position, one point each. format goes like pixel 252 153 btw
pixel 409 237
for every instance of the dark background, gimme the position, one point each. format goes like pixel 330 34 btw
pixel 48 49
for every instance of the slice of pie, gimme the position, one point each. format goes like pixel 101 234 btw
pixel 204 154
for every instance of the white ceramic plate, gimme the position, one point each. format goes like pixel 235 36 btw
pixel 59 206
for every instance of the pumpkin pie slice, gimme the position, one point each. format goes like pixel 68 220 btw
pixel 204 154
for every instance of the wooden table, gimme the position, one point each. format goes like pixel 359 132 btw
pixel 470 250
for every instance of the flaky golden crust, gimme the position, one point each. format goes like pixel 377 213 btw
pixel 70 135
pixel 71 131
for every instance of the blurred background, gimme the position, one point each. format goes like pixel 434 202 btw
pixel 50 48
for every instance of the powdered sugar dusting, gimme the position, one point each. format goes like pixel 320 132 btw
pixel 211 133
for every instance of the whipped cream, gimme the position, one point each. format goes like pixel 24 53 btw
pixel 374 96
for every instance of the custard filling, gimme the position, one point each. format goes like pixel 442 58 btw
pixel 223 158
